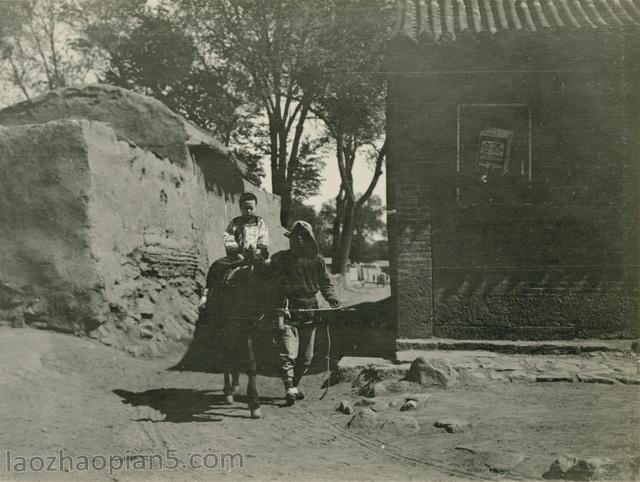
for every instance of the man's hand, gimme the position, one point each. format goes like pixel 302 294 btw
pixel 335 304
pixel 203 302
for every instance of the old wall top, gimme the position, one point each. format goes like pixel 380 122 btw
pixel 135 118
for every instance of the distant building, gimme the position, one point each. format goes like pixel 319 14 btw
pixel 513 168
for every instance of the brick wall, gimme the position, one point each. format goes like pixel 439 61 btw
pixel 553 254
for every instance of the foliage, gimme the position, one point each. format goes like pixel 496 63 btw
pixel 270 45
pixel 352 107
pixel 37 46
pixel 369 229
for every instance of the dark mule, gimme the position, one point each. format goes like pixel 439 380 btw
pixel 242 311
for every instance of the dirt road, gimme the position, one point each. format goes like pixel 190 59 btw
pixel 64 393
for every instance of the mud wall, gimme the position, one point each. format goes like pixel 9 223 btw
pixel 45 255
pixel 550 250
pixel 104 237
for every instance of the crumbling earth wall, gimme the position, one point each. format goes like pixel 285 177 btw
pixel 104 237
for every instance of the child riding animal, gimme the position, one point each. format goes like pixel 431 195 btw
pixel 245 288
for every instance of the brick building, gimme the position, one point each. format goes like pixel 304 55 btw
pixel 513 168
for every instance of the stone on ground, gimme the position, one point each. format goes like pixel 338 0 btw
pixel 432 372
pixel 365 402
pixel 372 390
pixel 568 467
pixel 346 407
pixel 501 461
pixel 364 418
pixel 452 425
pixel 409 405
pixel 417 397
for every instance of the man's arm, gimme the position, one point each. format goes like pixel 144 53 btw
pixel 326 285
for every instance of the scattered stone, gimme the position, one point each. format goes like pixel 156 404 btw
pixel 417 397
pixel 153 297
pixel 106 341
pixel 190 317
pixel 553 377
pixel 134 350
pixel 134 314
pixel 595 379
pixel 628 380
pixel 568 467
pixel 163 282
pixel 401 424
pixel 364 418
pixel 94 335
pixel 380 406
pixel 40 325
pixel 379 389
pixel 371 390
pixel 127 324
pixel 147 325
pixel 501 461
pixel 365 402
pixel 452 425
pixel 145 333
pixel 346 407
pixel 145 307
pixel 409 405
pixel 432 372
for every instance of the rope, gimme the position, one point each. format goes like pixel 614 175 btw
pixel 328 362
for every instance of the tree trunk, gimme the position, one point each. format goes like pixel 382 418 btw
pixel 335 233
pixel 345 237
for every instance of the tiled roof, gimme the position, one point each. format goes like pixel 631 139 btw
pixel 448 19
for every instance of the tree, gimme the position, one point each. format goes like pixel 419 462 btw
pixel 352 107
pixel 271 44
pixel 37 46
pixel 369 228
pixel 151 53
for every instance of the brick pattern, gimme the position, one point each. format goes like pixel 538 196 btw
pixel 565 264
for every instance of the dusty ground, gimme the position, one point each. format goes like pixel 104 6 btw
pixel 60 392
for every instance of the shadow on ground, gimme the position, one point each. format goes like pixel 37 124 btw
pixel 365 331
pixel 181 405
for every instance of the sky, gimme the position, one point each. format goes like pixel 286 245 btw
pixel 362 174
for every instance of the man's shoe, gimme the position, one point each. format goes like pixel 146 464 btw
pixel 299 395
pixel 290 398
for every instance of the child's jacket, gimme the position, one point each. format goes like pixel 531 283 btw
pixel 246 234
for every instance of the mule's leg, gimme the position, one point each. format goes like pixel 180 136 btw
pixel 235 383
pixel 228 388
pixel 252 389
